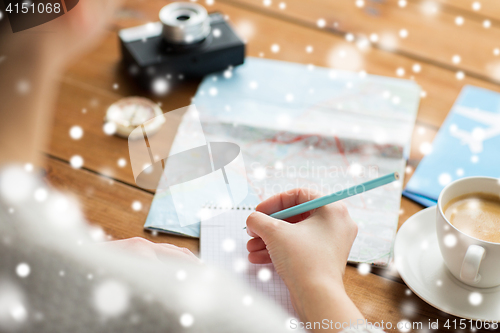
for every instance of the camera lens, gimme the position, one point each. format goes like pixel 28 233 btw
pixel 184 23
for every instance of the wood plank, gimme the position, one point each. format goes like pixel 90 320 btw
pixel 108 203
pixel 100 152
pixel 379 298
pixel 488 8
pixel 432 38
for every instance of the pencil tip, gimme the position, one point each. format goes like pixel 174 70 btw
pixel 396 175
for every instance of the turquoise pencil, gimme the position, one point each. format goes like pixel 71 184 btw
pixel 331 198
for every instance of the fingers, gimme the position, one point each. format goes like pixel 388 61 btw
pixel 255 244
pixel 259 257
pixel 258 252
pixel 263 226
pixel 286 200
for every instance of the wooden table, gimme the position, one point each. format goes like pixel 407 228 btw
pixel 106 191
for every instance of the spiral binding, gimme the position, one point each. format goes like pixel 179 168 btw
pixel 215 206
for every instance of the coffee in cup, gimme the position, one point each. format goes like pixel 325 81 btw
pixel 468 230
pixel 476 214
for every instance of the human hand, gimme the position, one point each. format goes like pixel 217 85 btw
pixel 155 251
pixel 307 249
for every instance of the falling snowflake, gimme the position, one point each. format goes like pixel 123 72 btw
pixel 444 179
pixel 389 41
pixel 15 184
pixel 373 38
pixel 247 300
pixel 213 91
pixel 259 173
pixel 400 71
pixel 403 33
pixel 76 161
pixel 23 270
pixel 460 75
pixel 115 86
pixel 360 3
pixel 228 73
pixel 459 20
pixel 264 274
pixel 240 265
pixel 18 312
pixel 109 128
pixel 160 86
pixel 425 148
pixel 76 132
pixel 309 49
pixel 349 37
pixel 416 68
pixel 137 206
pixel 253 85
pixel 209 2
pixel 282 5
pixel 456 59
pixel 122 162
pixel 275 48
pixel 28 167
pixel 97 234
pixel 486 24
pixel 474 159
pixel 217 33
pixel 404 326
pixel 475 298
pixel 355 169
pixel 460 172
pixel 402 3
pixel 40 194
pixel 439 283
pixel 111 298
pixel 267 3
pixel 186 320
pixel 228 245
pixel 423 94
pixel 476 5
pixel 450 240
pixel 181 275
pixel 289 97
pixel 23 87
pixel 496 51
pixel 321 23
pixel 364 269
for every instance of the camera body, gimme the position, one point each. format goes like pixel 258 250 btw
pixel 186 43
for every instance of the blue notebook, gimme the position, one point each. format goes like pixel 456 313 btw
pixel 467 144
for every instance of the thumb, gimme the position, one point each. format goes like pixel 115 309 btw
pixel 263 226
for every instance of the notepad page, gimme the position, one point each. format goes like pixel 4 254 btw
pixel 223 243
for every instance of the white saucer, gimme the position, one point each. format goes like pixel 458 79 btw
pixel 421 266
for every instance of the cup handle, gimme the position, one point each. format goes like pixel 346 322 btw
pixel 470 266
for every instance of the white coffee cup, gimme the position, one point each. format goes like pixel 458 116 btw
pixel 473 261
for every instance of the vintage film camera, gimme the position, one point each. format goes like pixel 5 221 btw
pixel 187 42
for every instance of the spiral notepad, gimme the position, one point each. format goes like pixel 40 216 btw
pixel 223 243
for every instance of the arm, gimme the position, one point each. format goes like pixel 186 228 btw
pixel 309 252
